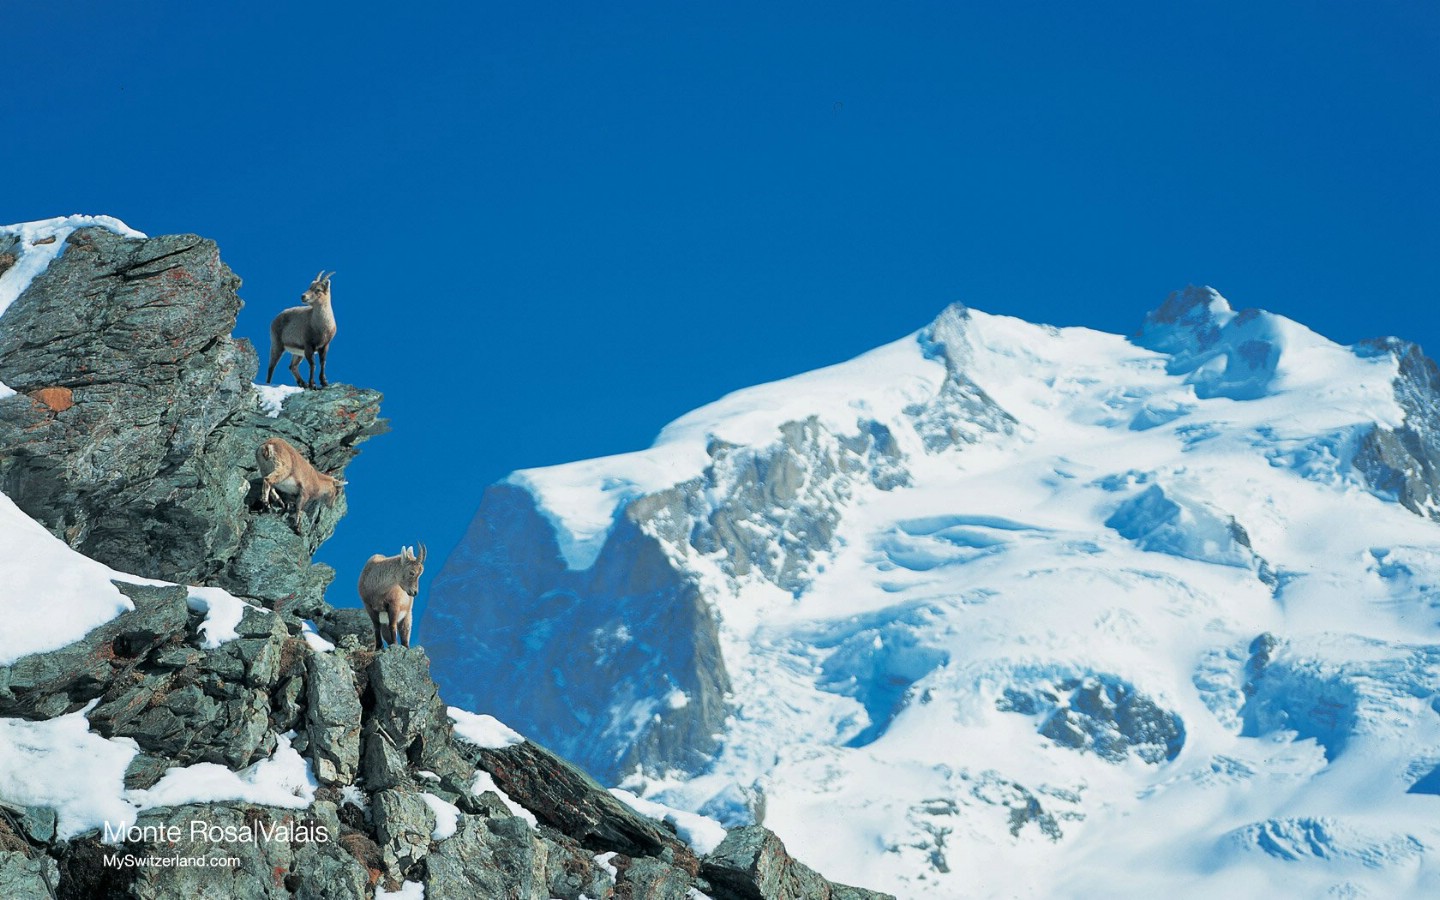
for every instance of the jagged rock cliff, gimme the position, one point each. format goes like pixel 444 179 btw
pixel 131 437
pixel 650 634
pixel 1405 461
pixel 137 444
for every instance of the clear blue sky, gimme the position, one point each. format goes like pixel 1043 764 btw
pixel 557 227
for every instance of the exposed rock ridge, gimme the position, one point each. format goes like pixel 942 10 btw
pixel 1405 462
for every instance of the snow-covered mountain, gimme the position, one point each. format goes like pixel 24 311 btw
pixel 1018 610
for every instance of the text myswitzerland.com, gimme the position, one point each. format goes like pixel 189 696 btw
pixel 131 860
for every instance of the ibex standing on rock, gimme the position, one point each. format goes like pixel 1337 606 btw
pixel 304 331
pixel 388 585
pixel 285 471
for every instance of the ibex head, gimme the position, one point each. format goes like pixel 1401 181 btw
pixel 412 567
pixel 319 291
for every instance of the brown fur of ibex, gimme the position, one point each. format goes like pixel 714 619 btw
pixel 304 331
pixel 388 585
pixel 285 472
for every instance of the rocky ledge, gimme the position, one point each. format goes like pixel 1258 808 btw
pixel 131 437
pixel 399 796
pixel 133 431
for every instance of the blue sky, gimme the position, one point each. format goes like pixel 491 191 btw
pixel 557 227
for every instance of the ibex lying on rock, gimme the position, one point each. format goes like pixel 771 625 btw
pixel 388 585
pixel 304 331
pixel 285 471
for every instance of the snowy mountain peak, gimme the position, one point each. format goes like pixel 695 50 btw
pixel 1023 603
pixel 1193 307
pixel 1239 355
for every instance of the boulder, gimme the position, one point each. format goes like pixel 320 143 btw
pixel 751 864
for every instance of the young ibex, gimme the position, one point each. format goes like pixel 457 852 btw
pixel 388 585
pixel 285 471
pixel 305 331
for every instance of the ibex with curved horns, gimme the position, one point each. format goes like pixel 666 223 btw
pixel 304 331
pixel 388 585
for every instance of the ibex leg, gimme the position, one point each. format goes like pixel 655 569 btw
pixel 276 351
pixel 375 621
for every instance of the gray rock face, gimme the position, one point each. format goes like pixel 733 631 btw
pixel 132 434
pixel 1103 715
pixel 185 704
pixel 962 413
pixel 406 723
pixel 23 875
pixel 649 879
pixel 787 498
pixel 566 799
pixel 300 858
pixel 332 718
pixel 1405 462
pixel 751 864
pixel 502 857
pixel 215 706
pixel 45 685
pixel 403 823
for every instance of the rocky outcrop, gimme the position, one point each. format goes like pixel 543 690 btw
pixel 961 414
pixel 133 430
pixel 185 705
pixel 570 801
pixel 132 438
pixel 1404 462
pixel 332 717
pixel 782 502
pixel 751 864
pixel 23 875
pixel 45 685
pixel 373 823
pixel 1101 714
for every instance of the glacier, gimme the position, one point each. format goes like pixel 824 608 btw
pixel 1017 610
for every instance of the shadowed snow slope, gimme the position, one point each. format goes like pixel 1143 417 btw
pixel 1019 610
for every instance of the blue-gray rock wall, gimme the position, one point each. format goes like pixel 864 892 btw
pixel 598 646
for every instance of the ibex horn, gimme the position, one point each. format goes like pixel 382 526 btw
pixel 421 557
